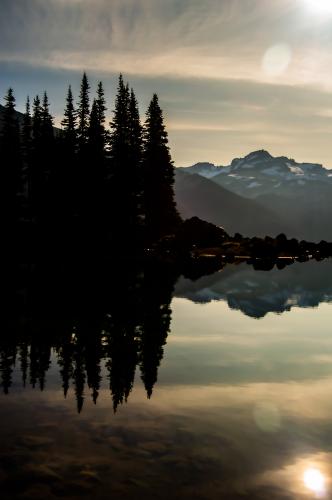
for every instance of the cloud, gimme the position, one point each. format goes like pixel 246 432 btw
pixel 210 39
pixel 206 59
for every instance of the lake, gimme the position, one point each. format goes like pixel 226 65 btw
pixel 145 385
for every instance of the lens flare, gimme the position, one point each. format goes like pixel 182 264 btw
pixel 314 481
pixel 277 59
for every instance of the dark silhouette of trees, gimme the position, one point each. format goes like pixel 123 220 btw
pixel 66 181
pixel 156 321
pixel 11 161
pixel 26 135
pixel 135 162
pixel 119 195
pixel 160 208
pixel 119 327
pixel 87 185
pixel 36 167
pixel 47 132
pixel 83 112
pixel 69 132
pixel 101 112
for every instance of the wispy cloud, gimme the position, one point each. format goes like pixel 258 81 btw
pixel 210 39
pixel 204 57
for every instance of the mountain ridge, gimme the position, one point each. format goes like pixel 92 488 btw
pixel 300 194
pixel 259 173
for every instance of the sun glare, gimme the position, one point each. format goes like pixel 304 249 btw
pixel 320 6
pixel 314 481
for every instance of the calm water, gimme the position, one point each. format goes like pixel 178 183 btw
pixel 223 391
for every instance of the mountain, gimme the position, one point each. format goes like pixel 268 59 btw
pixel 259 173
pixel 300 193
pixel 207 170
pixel 196 195
pixel 257 293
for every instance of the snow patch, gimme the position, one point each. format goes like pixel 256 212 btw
pixel 295 170
pixel 253 185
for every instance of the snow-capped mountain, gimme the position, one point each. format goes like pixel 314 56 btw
pixel 259 173
pixel 207 170
pixel 299 194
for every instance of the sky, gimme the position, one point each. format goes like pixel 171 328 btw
pixel 233 76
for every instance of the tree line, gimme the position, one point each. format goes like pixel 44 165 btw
pixel 87 180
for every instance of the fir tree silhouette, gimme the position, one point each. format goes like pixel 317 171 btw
pixel 83 112
pixel 12 163
pixel 160 208
pixel 26 138
pixel 68 172
pixel 69 134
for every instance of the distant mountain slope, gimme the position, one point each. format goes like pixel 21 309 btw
pixel 260 173
pixel 299 193
pixel 196 195
pixel 309 215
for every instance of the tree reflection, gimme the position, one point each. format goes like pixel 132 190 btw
pixel 98 323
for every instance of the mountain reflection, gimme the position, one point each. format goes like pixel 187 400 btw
pixel 257 293
pixel 103 320
pixel 100 324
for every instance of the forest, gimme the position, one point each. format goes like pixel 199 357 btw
pixel 87 184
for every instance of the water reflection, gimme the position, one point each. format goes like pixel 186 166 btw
pixel 107 321
pixel 111 321
pixel 256 293
pixel 242 409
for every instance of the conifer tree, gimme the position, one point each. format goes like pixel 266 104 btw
pixel 36 120
pixel 68 174
pixel 135 156
pixel 83 111
pixel 39 158
pixel 96 164
pixel 83 189
pixel 95 134
pixel 160 207
pixel 135 130
pixel 120 129
pixel 118 192
pixel 10 121
pixel 101 109
pixel 11 161
pixel 27 128
pixel 46 122
pixel 26 140
pixel 126 162
pixel 68 124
